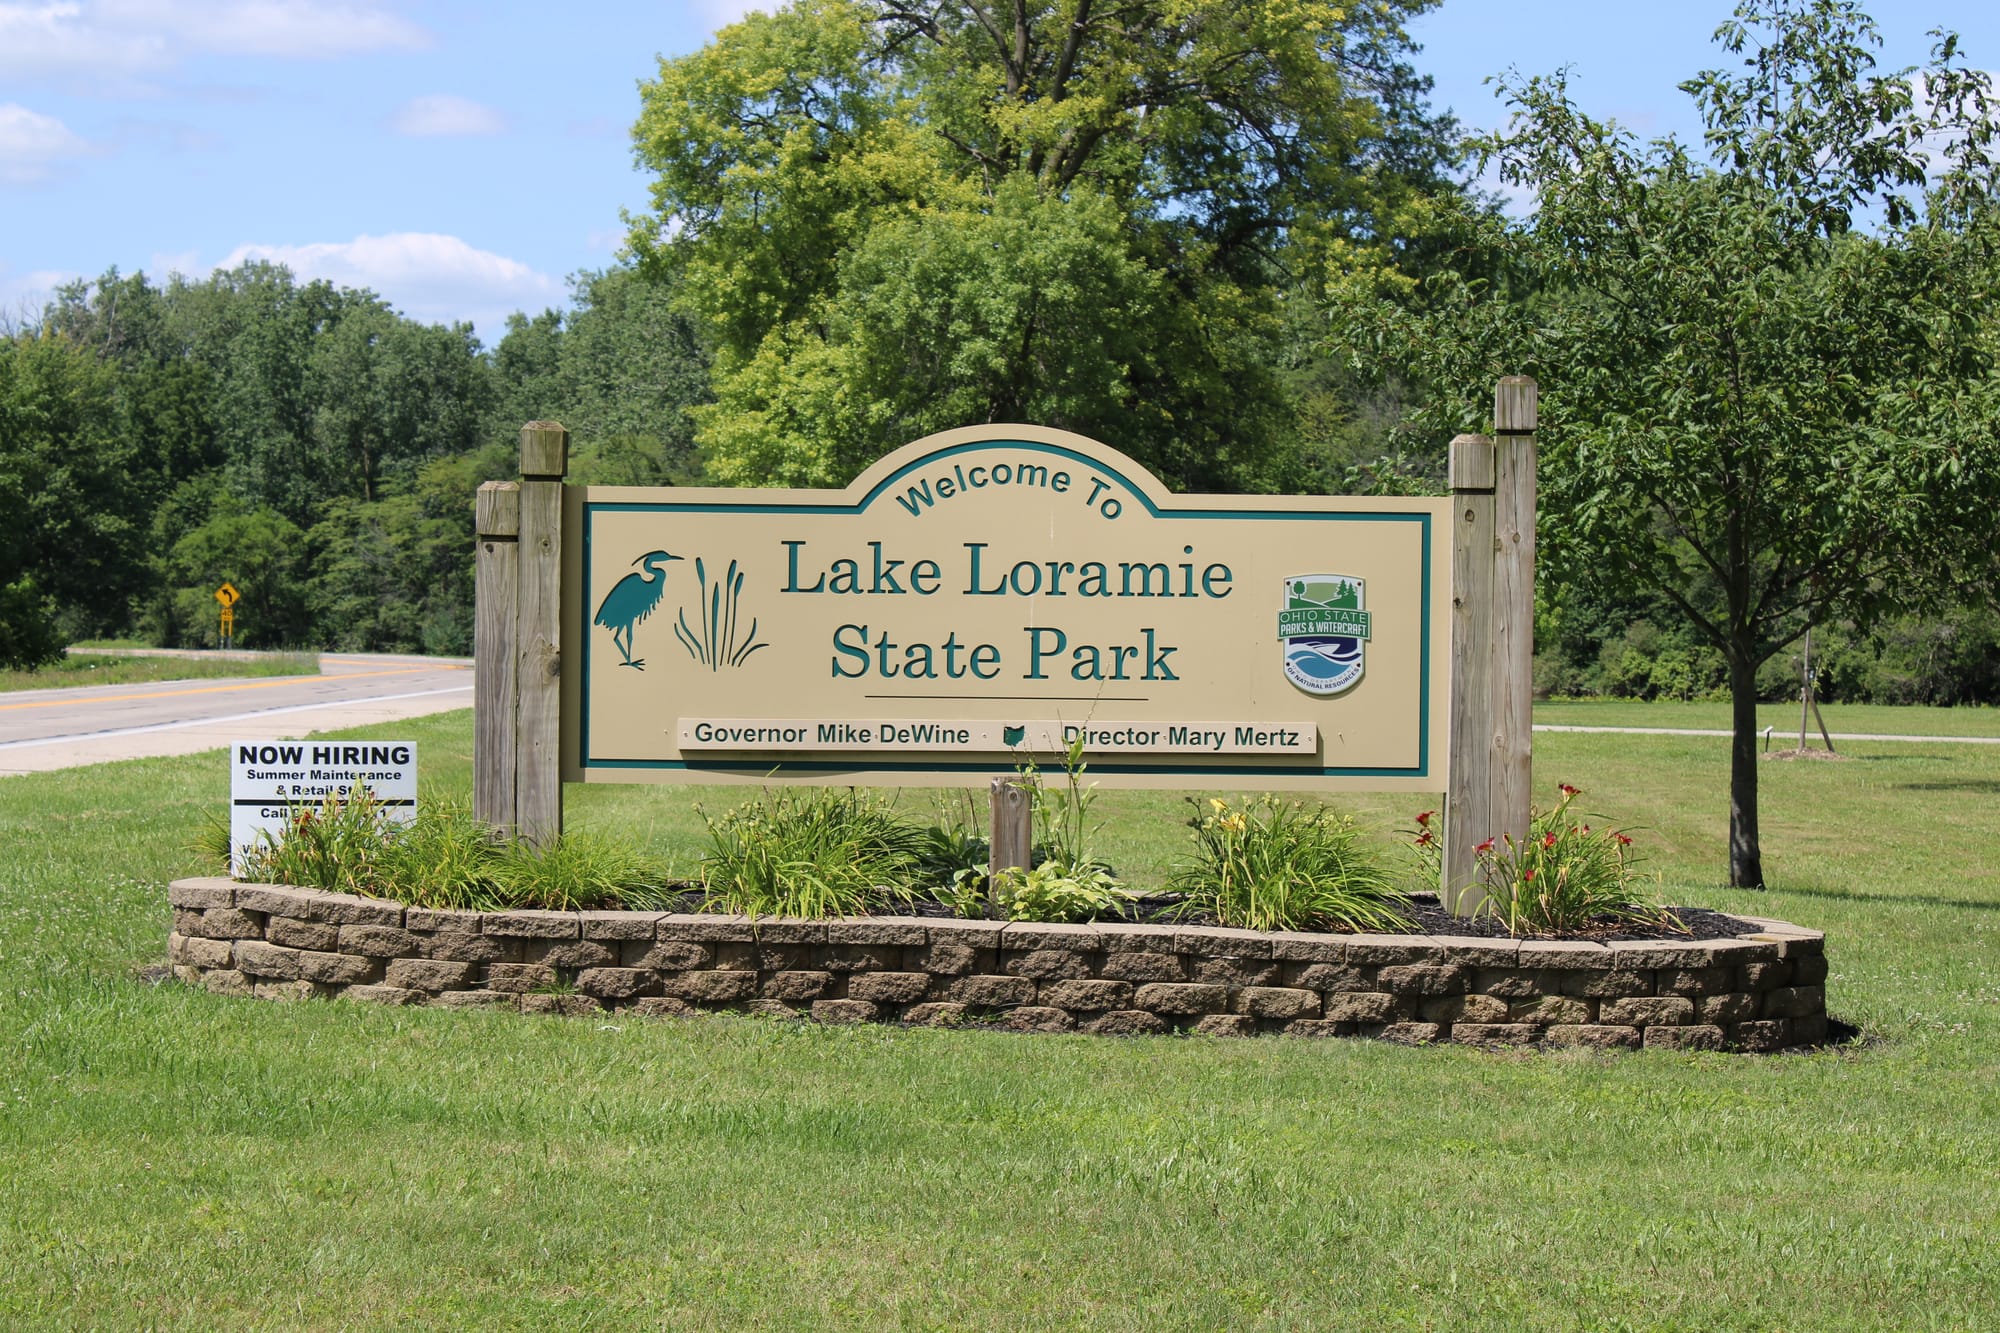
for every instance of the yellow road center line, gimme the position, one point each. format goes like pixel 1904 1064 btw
pixel 271 684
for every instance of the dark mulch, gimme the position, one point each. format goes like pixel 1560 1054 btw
pixel 1427 917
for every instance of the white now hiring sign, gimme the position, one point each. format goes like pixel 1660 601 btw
pixel 269 779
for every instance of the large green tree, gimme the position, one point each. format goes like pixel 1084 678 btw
pixel 1768 377
pixel 895 216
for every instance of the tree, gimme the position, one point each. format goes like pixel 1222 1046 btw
pixel 1753 409
pixel 894 216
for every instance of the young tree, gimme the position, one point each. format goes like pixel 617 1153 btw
pixel 894 217
pixel 1753 408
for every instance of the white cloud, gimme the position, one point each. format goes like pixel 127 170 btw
pixel 722 13
pixel 434 278
pixel 33 145
pixel 119 39
pixel 22 295
pixel 441 114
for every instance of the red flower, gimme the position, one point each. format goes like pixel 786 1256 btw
pixel 1425 838
pixel 1483 847
pixel 1528 877
pixel 1623 841
pixel 1586 830
pixel 1424 819
pixel 1549 838
pixel 1568 790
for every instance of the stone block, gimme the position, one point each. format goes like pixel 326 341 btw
pixel 1516 983
pixel 1036 935
pixel 1784 1002
pixel 340 909
pixel 283 990
pixel 1735 1007
pixel 1593 984
pixel 1143 966
pixel 1408 1034
pixel 1469 1009
pixel 1653 955
pixel 1319 1027
pixel 428 974
pixel 1692 1037
pixel 1549 1010
pixel 1393 950
pixel 739 956
pixel 384 995
pixel 1424 979
pixel 1037 1018
pixel 295 934
pixel 455 947
pixel 889 987
pixel 1566 955
pixel 202 892
pixel 1362 1007
pixel 1809 970
pixel 519 978
pixel 533 925
pixel 379 942
pixel 843 1011
pixel 267 960
pixel 776 1009
pixel 1222 942
pixel 1127 1023
pixel 893 932
pixel 991 990
pixel 663 1006
pixel 862 958
pixel 1496 1034
pixel 189 923
pixel 438 920
pixel 712 987
pixel 563 1006
pixel 797 987
pixel 618 925
pixel 225 981
pixel 1740 952
pixel 1479 951
pixel 1766 976
pixel 476 999
pixel 1277 1002
pixel 1647 1011
pixel 207 953
pixel 1132 937
pixel 1297 946
pixel 788 930
pixel 570 953
pixel 277 899
pixel 1235 971
pixel 1757 1035
pixel 187 974
pixel 705 928
pixel 339 969
pixel 617 983
pixel 1225 1025
pixel 1045 964
pixel 668 955
pixel 947 959
pixel 1328 977
pixel 1085 995
pixel 1181 998
pixel 229 923
pixel 1693 981
pixel 968 934
pixel 1596 1036
pixel 937 1014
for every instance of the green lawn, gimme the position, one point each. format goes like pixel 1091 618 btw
pixel 87 668
pixel 1867 719
pixel 170 1158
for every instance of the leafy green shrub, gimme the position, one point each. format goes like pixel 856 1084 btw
pixel 1284 865
pixel 1563 876
pixel 335 845
pixel 1057 890
pixel 820 854
pixel 573 872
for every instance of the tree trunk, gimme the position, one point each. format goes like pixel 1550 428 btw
pixel 1746 857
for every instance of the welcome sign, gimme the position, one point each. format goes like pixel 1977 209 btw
pixel 988 595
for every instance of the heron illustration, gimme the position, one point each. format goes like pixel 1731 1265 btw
pixel 631 600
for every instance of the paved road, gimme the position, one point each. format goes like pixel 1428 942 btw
pixel 47 729
pixel 1838 735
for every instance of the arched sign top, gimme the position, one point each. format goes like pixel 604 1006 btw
pixel 983 596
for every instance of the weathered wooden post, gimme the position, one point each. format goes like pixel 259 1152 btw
pixel 1492 639
pixel 538 634
pixel 497 608
pixel 1011 811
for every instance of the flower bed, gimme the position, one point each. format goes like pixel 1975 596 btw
pixel 1760 990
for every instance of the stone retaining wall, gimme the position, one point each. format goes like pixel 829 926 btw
pixel 1759 992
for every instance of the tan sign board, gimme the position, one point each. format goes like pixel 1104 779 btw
pixel 986 595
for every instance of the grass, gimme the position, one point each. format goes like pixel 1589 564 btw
pixel 109 669
pixel 1783 718
pixel 169 1158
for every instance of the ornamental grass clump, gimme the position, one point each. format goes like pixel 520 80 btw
pixel 577 871
pixel 443 859
pixel 336 844
pixel 1285 865
pixel 820 854
pixel 1564 876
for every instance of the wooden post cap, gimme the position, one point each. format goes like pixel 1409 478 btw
pixel 1471 463
pixel 544 450
pixel 499 509
pixel 1517 406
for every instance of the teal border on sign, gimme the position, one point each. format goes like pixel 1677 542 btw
pixel 586 760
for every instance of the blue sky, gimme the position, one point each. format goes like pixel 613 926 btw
pixel 464 158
